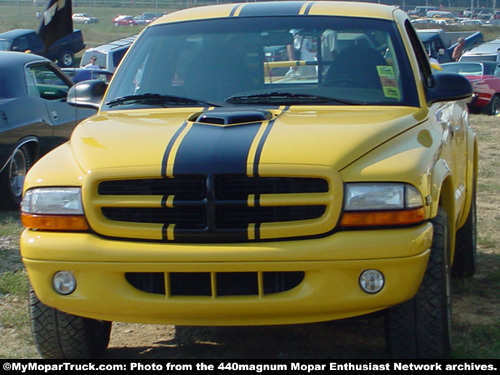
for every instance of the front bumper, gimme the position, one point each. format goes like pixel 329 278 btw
pixel 329 289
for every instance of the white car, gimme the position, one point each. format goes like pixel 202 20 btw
pixel 84 18
pixel 472 22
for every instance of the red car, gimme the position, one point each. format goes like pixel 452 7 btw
pixel 123 20
pixel 485 79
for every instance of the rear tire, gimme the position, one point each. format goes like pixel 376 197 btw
pixel 493 107
pixel 421 327
pixel 12 178
pixel 464 261
pixel 59 335
pixel 66 59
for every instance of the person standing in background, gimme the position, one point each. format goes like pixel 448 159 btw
pixel 458 50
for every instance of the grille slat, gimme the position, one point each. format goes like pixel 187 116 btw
pixel 185 216
pixel 186 187
pixel 228 187
pixel 240 217
pixel 226 283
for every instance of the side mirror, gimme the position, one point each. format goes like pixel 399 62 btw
pixel 87 94
pixel 448 87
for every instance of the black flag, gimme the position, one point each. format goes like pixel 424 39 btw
pixel 56 22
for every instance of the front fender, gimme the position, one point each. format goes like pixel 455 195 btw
pixel 440 173
pixel 48 170
pixel 471 182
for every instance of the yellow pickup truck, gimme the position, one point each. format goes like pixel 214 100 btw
pixel 258 164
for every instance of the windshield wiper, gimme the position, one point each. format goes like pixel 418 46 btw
pixel 286 98
pixel 157 99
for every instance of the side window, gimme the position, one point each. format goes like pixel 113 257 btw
pixel 118 56
pixel 20 44
pixel 45 82
pixel 496 73
pixel 31 84
pixel 422 58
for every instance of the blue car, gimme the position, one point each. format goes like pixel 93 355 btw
pixel 35 117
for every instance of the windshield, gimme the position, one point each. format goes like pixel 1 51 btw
pixel 266 61
pixel 468 69
pixel 4 45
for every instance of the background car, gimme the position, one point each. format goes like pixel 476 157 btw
pixel 472 22
pixel 83 74
pixel 108 55
pixel 142 20
pixel 123 20
pixel 485 80
pixel 84 18
pixel 29 81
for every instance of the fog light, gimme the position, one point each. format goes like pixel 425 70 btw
pixel 64 282
pixel 371 281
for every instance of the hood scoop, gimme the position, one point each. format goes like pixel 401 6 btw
pixel 231 117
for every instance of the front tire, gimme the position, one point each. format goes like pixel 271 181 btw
pixel 12 178
pixel 421 327
pixel 66 59
pixel 59 335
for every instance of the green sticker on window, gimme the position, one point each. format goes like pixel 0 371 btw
pixel 388 80
pixel 385 71
pixel 391 92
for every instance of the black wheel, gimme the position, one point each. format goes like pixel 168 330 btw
pixel 493 107
pixel 59 335
pixel 464 261
pixel 66 59
pixel 421 327
pixel 12 178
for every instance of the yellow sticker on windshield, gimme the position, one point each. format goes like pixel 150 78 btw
pixel 388 80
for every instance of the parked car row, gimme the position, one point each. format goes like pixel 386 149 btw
pixel 143 19
pixel 84 18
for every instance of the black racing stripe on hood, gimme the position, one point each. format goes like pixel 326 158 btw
pixel 260 147
pixel 169 149
pixel 208 149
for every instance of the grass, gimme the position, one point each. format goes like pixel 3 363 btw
pixel 14 283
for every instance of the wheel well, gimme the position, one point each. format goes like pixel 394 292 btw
pixel 33 149
pixel 447 203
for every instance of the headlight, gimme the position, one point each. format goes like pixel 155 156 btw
pixel 375 204
pixel 53 209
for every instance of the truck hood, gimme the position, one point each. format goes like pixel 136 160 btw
pixel 176 141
